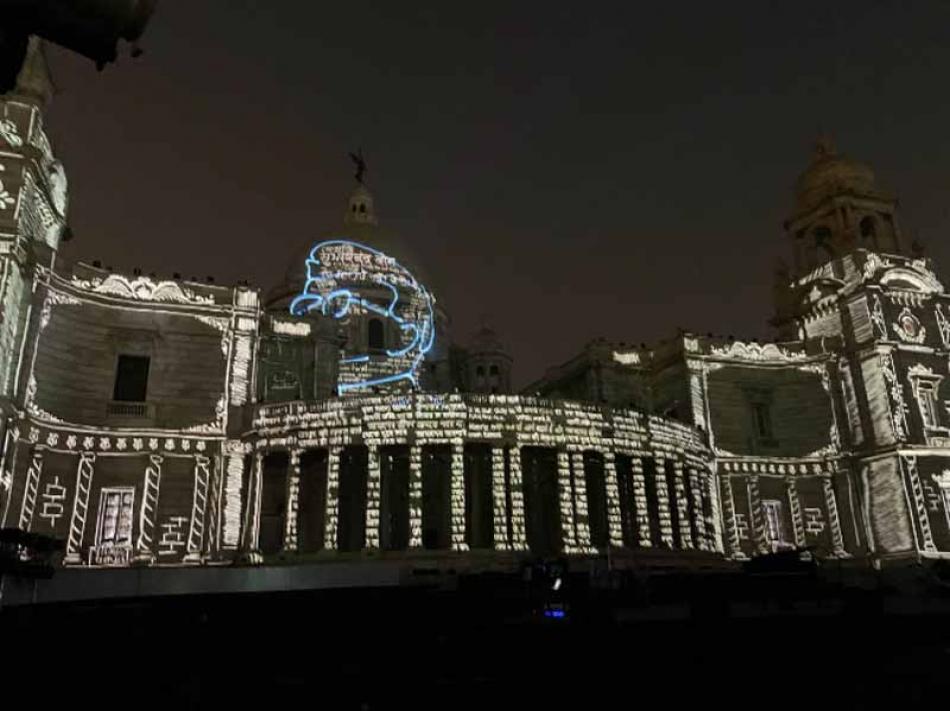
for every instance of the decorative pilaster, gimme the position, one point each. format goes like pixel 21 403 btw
pixel 199 508
pixel 332 515
pixel 499 499
pixel 566 497
pixel 640 501
pixel 30 490
pixel 415 496
pixel 663 503
pixel 729 516
pixel 293 499
pixel 233 489
pixel 614 520
pixel 373 483
pixel 212 542
pixel 148 513
pixel 77 522
pixel 519 540
pixel 682 505
pixel 834 523
pixel 252 525
pixel 795 508
pixel 458 498
pixel 759 534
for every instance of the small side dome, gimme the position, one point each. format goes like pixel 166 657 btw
pixel 486 340
pixel 832 174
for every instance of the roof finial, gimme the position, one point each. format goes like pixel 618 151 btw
pixel 360 163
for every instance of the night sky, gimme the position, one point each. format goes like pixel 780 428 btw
pixel 570 170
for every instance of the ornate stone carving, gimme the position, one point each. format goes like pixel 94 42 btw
pixel 877 317
pixel 739 350
pixel 909 328
pixel 899 407
pixel 142 289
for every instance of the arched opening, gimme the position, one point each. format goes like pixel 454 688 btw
pixel 436 497
pixel 541 500
pixel 821 238
pixel 868 230
pixel 311 514
pixel 351 532
pixel 595 485
pixel 477 479
pixel 273 502
pixel 394 498
pixel 376 337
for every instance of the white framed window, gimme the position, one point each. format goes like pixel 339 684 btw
pixel 926 389
pixel 114 525
pixel 772 510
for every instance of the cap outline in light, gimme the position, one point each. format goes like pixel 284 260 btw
pixel 422 333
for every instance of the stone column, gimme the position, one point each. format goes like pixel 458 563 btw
pixel 415 496
pixel 458 498
pixel 373 480
pixel 581 511
pixel 663 502
pixel 682 505
pixel 332 512
pixel 614 520
pixel 499 499
pixel 699 513
pixel 519 540
pixel 293 499
pixel 566 498
pixel 640 502
pixel 77 521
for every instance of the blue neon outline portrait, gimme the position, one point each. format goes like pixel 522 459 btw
pixel 334 292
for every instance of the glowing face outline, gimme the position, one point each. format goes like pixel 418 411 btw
pixel 321 294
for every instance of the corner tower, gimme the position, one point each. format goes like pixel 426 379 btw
pixel 33 202
pixel 839 210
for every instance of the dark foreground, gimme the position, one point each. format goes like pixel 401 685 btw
pixel 827 641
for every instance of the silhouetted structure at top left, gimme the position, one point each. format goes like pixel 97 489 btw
pixel 91 28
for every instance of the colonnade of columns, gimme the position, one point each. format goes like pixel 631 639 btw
pixel 604 498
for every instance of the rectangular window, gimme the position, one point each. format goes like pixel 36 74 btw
pixel 131 378
pixel 926 395
pixel 115 517
pixel 773 521
pixel 762 415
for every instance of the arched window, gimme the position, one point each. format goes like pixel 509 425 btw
pixel 376 337
pixel 821 237
pixel 493 370
pixel 868 229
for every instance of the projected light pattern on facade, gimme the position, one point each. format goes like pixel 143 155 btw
pixel 356 284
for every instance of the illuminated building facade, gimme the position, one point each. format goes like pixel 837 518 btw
pixel 170 423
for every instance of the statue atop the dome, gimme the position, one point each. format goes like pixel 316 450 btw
pixel 825 146
pixel 360 163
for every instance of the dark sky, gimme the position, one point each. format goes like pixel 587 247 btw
pixel 572 170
